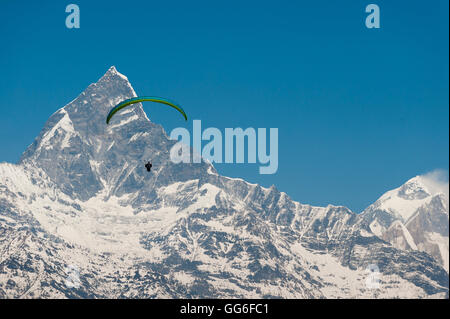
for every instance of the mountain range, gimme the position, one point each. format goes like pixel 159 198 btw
pixel 81 218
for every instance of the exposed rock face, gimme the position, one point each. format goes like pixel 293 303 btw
pixel 80 217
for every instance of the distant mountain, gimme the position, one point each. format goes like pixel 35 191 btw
pixel 414 217
pixel 81 218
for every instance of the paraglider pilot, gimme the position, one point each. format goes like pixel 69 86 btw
pixel 148 166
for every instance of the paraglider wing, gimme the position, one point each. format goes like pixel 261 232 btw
pixel 134 100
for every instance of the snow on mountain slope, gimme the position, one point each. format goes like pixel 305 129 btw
pixel 414 216
pixel 81 199
pixel 398 235
pixel 403 201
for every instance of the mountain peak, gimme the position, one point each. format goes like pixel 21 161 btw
pixel 414 189
pixel 435 182
pixel 76 144
pixel 112 71
pixel 414 215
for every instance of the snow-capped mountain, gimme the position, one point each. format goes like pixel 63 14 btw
pixel 414 216
pixel 80 217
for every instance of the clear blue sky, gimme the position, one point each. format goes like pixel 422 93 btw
pixel 359 110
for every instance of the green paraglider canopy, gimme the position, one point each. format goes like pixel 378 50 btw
pixel 134 100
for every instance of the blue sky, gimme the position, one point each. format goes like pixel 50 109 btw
pixel 359 110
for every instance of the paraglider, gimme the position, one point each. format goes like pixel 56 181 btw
pixel 134 100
